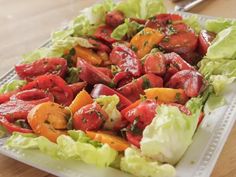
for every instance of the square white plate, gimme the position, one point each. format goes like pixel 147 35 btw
pixel 198 160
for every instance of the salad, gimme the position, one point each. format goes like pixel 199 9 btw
pixel 124 86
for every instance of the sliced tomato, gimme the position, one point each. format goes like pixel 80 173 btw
pixel 98 45
pixel 6 96
pixel 12 127
pixel 122 78
pixel 114 18
pixel 155 63
pixel 191 81
pixel 62 93
pixel 92 74
pixel 89 117
pixel 126 60
pixel 104 33
pixel 162 20
pixel 134 89
pixel 205 39
pixel 179 39
pixel 21 103
pixel 77 87
pixel 143 113
pixel 106 71
pixel 178 62
pixel 134 138
pixel 57 66
pixel 101 89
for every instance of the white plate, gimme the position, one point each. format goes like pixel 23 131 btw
pixel 198 161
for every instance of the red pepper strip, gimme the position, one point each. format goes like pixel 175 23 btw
pixel 12 127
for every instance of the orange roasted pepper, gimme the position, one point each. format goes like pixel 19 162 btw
pixel 113 141
pixel 49 120
pixel 82 99
pixel 167 95
pixel 88 54
pixel 144 41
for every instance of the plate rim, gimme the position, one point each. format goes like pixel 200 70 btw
pixel 216 142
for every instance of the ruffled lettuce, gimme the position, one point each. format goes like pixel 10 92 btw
pixel 133 162
pixel 219 65
pixel 222 46
pixel 109 104
pixel 76 145
pixel 57 49
pixel 11 86
pixel 217 25
pixel 141 8
pixel 193 23
pixel 128 28
pixel 170 132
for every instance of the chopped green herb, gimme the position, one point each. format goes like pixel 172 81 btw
pixel 84 120
pixel 178 97
pixel 134 48
pixel 134 128
pixel 166 39
pixel 143 97
pixel 72 75
pixel 145 43
pixel 146 83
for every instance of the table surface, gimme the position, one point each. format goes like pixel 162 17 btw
pixel 26 24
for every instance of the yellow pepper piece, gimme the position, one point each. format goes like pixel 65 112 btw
pixel 82 99
pixel 166 95
pixel 143 42
pixel 88 55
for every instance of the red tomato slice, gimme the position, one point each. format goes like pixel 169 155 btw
pixel 77 87
pixel 114 18
pixel 99 45
pixel 12 127
pixel 122 78
pixel 21 103
pixel 162 20
pixel 134 138
pixel 101 89
pixel 155 64
pixel 126 60
pixel 104 33
pixel 92 74
pixel 143 113
pixel 205 38
pixel 57 66
pixel 133 89
pixel 62 93
pixel 179 38
pixel 191 81
pixel 89 117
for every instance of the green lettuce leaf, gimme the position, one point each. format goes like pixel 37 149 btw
pixel 3 131
pixel 170 133
pixel 193 23
pixel 74 146
pixel 133 162
pixel 221 47
pixel 11 86
pixel 141 8
pixel 217 25
pixel 109 104
pixel 128 28
pixel 57 49
pixel 96 14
